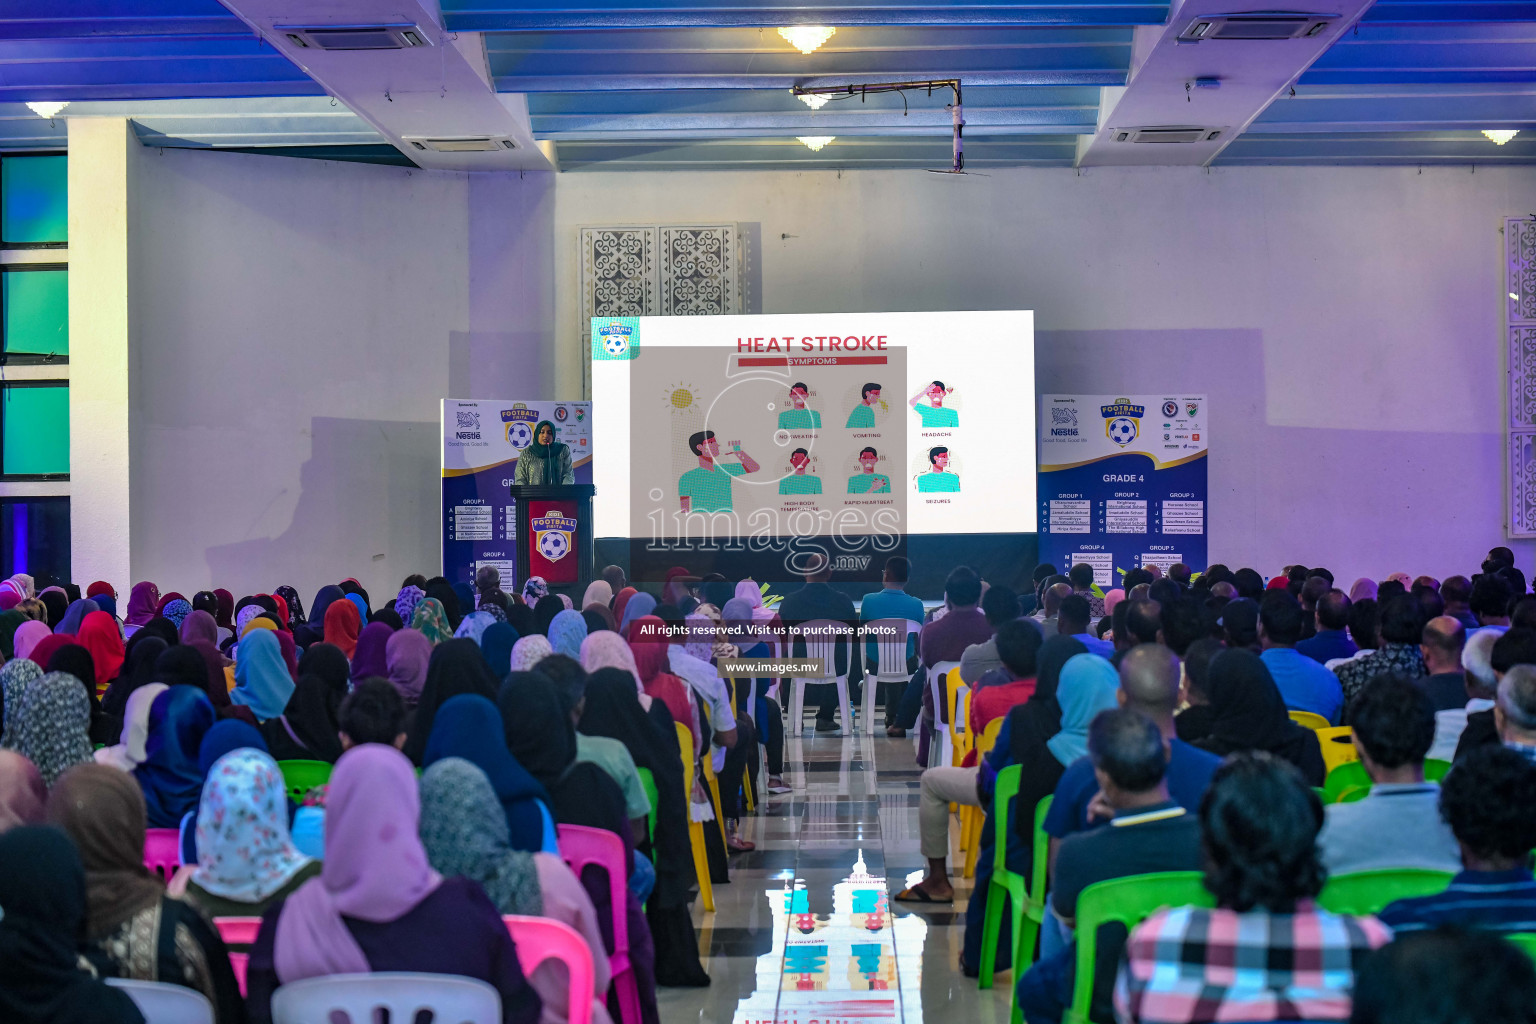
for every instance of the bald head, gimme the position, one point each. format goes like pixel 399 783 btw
pixel 1149 681
pixel 1054 595
pixel 1443 639
pixel 1223 589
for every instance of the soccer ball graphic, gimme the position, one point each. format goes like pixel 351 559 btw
pixel 520 434
pixel 615 344
pixel 553 545
pixel 1122 430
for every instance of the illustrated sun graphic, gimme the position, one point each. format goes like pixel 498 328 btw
pixel 681 397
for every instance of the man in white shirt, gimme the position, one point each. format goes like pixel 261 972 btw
pixel 1482 686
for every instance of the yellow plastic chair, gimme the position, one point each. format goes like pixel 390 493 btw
pixel 957 698
pixel 712 781
pixel 971 818
pixel 695 828
pixel 1337 743
pixel 1310 720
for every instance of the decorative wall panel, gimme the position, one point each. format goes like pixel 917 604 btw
pixel 1520 375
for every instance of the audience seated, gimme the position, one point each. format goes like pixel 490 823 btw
pixel 1397 824
pixel 1513 719
pixel 1441 645
pixel 1482 687
pixel 1259 826
pixel 1304 684
pixel 1330 638
pixel 1246 713
pixel 1445 976
pixel 1149 831
pixel 1489 801
pixel 1000 605
pixel 1074 620
pixel 1401 628
pixel 892 601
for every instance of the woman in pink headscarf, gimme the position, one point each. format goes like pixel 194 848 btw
pixel 378 905
pixel 1363 588
pixel 28 635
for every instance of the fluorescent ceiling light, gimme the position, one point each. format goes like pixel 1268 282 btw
pixel 815 143
pixel 46 108
pixel 806 38
pixel 1501 135
pixel 812 101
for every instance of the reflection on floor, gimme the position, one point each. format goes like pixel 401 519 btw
pixel 805 932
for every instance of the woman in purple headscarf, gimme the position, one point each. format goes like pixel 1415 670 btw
pixel 378 905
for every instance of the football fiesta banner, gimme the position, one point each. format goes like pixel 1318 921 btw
pixel 481 441
pixel 1122 482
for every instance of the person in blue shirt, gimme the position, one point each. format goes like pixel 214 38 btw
pixel 1074 619
pixel 891 602
pixel 1304 684
pixel 1331 639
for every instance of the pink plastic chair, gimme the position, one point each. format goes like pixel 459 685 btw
pixel 238 931
pixel 579 847
pixel 542 938
pixel 162 851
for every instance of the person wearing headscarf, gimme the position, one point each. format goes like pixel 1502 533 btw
pixel 474 625
pixel 567 632
pixel 370 658
pixel 545 611
pixel 47 647
pixel 169 776
pixel 598 618
pixel 465 836
pixel 612 711
pixel 431 621
pixel 406 655
pixel 177 611
pixel 224 737
pixel 443 593
pixel 133 929
pixel 138 671
pixel 406 601
pixel 23 585
pixel 545 460
pixel 342 626
pixel 57 602
pixel 282 611
pixel 131 751
pixel 166 600
pixel 247 615
pixel 534 590
pixel 28 635
pixel 360 602
pixel 528 652
pixel 15 675
pixel 1248 713
pixel 22 793
pixel 74 615
pixel 542 736
pixel 52 728
pixel 262 682
pixel 200 625
pixel 225 614
pixel 496 646
pixel 246 860
pixel 648 661
pixel 456 667
pixel 313 630
pixel 597 592
pixel 98 634
pixel 10 598
pixel 10 622
pixel 143 600
pixel 620 602
pixel 466 595
pixel 309 729
pixel 290 597
pixel 1362 589
pixel 378 905
pixel 42 980
pixel 159 626
pixel 469 726
pixel 74 660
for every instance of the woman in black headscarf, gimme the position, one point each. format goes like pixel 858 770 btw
pixel 181 665
pixel 313 631
pixel 1248 713
pixel 456 667
pixel 42 891
pixel 295 607
pixel 612 709
pixel 542 736
pixel 161 627
pixel 1194 723
pixel 545 611
pixel 308 729
pixel 57 603
pixel 449 599
pixel 138 670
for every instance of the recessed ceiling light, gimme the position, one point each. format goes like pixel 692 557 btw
pixel 813 101
pixel 815 143
pixel 46 108
pixel 806 38
pixel 1501 135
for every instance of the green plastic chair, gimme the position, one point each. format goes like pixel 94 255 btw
pixel 1435 769
pixel 1525 940
pixel 648 783
pixel 1129 901
pixel 302 776
pixel 1342 784
pixel 1026 898
pixel 1361 893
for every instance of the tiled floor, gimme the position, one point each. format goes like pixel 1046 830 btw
pixel 805 932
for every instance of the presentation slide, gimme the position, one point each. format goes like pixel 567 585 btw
pixel 843 433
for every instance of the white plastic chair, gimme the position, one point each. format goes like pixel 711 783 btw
pixel 891 663
pixel 821 642
pixel 355 998
pixel 941 745
pixel 166 1004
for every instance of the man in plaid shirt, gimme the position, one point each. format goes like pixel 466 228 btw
pixel 1266 952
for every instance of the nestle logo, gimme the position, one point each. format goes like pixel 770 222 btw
pixel 468 435
pixel 1063 431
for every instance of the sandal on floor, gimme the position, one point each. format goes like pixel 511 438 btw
pixel 916 895
pixel 735 845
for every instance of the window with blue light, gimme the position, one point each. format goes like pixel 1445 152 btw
pixel 34 538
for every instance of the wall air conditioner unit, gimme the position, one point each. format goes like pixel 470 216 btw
pixel 464 144
pixel 1176 134
pixel 354 37
pixel 1256 25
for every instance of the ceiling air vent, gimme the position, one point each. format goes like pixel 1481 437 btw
pixel 466 144
pixel 354 37
pixel 1173 134
pixel 1258 25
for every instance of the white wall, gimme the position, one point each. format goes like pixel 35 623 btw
pixel 1345 321
pixel 301 320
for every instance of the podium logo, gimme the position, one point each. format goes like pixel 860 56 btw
pixel 552 534
pixel 615 337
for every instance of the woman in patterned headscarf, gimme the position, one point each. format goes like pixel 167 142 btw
pixel 567 632
pixel 246 859
pixel 534 590
pixel 53 725
pixel 529 651
pixel 431 621
pixel 177 611
pixel 406 601
pixel 15 676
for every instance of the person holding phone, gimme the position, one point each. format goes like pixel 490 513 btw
pixel 708 487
